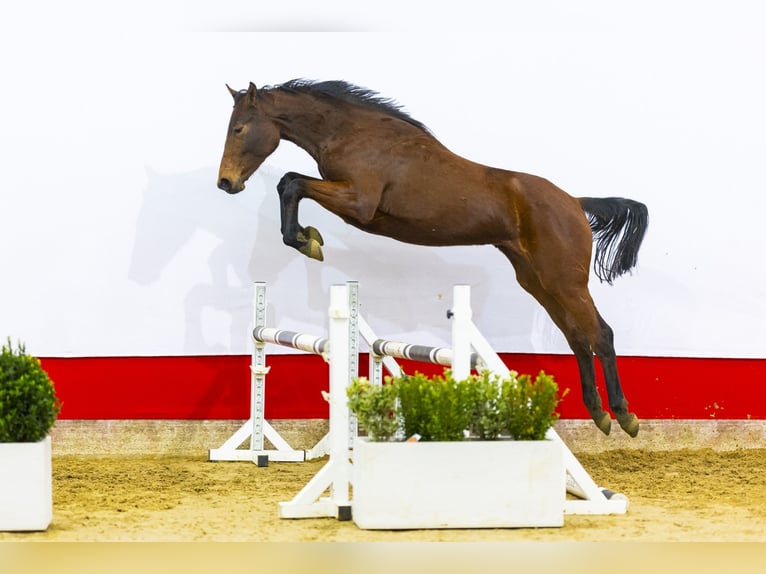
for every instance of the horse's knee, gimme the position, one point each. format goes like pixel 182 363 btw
pixel 286 180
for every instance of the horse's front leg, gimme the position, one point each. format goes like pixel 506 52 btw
pixel 307 240
pixel 354 203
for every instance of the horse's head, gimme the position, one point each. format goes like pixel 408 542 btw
pixel 252 137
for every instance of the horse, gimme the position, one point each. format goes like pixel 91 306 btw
pixel 385 173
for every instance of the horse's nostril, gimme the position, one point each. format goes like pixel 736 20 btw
pixel 224 184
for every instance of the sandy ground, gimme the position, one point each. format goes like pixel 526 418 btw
pixel 681 495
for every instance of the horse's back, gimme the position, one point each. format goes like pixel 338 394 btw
pixel 431 196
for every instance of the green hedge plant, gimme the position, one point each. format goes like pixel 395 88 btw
pixel 527 407
pixel 28 402
pixel 435 408
pixel 441 408
pixel 375 407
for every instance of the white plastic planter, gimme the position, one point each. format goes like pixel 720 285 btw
pixel 26 489
pixel 471 484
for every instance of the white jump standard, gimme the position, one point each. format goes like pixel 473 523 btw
pixel 343 356
pixel 256 428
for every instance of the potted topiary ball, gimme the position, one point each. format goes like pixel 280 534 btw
pixel 28 410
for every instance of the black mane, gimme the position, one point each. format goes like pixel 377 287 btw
pixel 347 92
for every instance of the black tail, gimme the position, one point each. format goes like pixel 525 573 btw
pixel 618 227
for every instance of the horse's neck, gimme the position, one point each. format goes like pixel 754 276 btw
pixel 304 121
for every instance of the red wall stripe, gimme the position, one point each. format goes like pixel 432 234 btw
pixel 218 387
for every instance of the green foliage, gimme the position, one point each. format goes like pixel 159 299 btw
pixel 440 408
pixel 28 403
pixel 528 408
pixel 437 408
pixel 375 407
pixel 487 416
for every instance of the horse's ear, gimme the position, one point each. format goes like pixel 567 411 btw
pixel 232 91
pixel 252 93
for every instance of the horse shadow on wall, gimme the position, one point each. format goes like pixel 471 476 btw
pixel 180 209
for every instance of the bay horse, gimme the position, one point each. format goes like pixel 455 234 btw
pixel 385 173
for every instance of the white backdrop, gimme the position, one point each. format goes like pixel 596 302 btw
pixel 115 240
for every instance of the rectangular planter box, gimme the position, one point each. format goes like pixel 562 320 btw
pixel 26 489
pixel 471 484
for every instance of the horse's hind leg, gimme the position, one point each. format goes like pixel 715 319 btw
pixel 566 297
pixel 604 349
pixel 586 367
pixel 576 330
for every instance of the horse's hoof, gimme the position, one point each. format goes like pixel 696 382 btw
pixel 603 422
pixel 313 249
pixel 629 424
pixel 312 233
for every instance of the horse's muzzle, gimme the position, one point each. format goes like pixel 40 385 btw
pixel 229 187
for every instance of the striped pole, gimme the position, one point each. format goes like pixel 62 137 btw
pixel 300 341
pixel 422 353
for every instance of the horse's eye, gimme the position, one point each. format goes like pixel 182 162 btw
pixel 239 129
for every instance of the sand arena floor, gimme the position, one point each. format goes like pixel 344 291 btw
pixel 687 494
